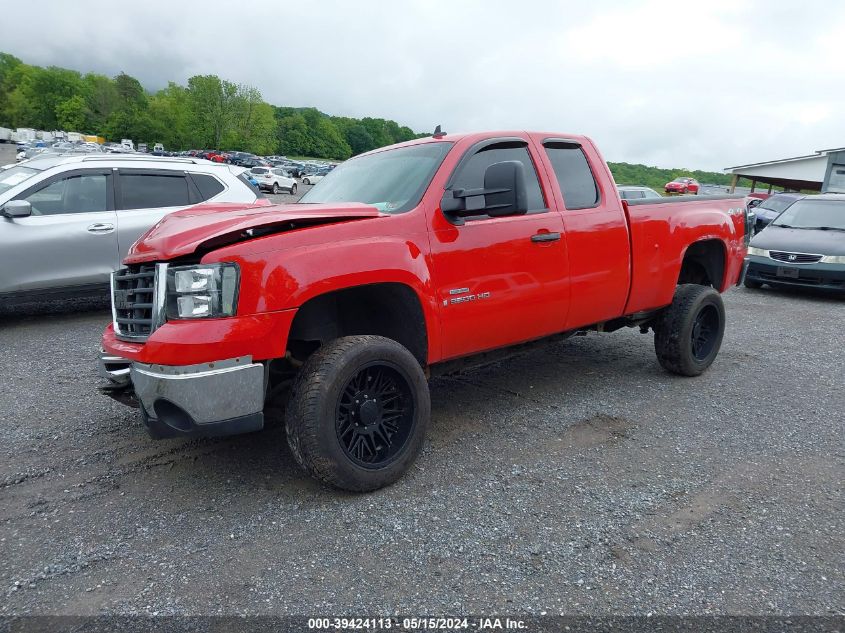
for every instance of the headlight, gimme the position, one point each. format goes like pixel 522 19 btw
pixel 205 291
pixel 833 259
pixel 760 252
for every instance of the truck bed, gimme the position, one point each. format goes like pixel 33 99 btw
pixel 660 232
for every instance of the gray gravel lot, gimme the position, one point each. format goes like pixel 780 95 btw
pixel 578 479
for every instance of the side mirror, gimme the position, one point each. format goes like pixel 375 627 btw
pixel 17 209
pixel 503 193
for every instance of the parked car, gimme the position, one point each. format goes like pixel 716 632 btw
pixel 274 179
pixel 631 192
pixel 682 185
pixel 296 169
pixel 803 246
pixel 770 208
pixel 67 221
pixel 404 263
pixel 312 177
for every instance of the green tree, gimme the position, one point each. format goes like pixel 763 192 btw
pixel 72 113
pixel 212 104
pixel 295 136
pixel 359 139
pixel 102 98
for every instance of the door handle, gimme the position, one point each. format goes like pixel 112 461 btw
pixel 101 228
pixel 545 237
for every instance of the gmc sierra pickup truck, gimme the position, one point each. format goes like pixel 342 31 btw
pixel 406 261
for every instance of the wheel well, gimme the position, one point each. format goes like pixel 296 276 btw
pixel 391 310
pixel 704 264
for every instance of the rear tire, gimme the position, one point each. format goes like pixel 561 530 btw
pixel 358 413
pixel 293 189
pixel 305 181
pixel 689 333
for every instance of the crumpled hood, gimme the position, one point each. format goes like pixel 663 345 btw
pixel 210 226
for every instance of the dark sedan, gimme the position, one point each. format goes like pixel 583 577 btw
pixel 804 246
pixel 772 207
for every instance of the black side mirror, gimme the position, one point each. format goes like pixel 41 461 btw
pixel 17 209
pixel 503 193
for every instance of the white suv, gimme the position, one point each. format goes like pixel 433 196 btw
pixel 275 179
pixel 67 221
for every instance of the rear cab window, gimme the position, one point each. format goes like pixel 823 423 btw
pixel 574 176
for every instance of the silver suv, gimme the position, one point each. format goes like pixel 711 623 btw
pixel 67 221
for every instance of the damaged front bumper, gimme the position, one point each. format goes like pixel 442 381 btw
pixel 209 399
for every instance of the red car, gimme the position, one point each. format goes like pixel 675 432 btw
pixel 406 262
pixel 682 185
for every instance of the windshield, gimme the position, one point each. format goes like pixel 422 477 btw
pixel 392 181
pixel 14 175
pixel 813 214
pixel 776 203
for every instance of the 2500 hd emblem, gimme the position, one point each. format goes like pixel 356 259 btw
pixel 465 298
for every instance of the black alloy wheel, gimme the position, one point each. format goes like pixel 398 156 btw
pixel 374 416
pixel 358 411
pixel 689 332
pixel 705 332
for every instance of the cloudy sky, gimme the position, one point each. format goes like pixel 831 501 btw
pixel 669 83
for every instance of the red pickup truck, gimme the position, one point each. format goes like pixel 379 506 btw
pixel 406 261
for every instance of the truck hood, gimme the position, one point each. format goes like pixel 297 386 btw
pixel 210 226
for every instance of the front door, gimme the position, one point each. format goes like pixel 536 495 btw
pixel 69 240
pixel 500 280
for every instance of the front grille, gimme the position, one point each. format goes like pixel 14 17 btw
pixel 794 258
pixel 134 301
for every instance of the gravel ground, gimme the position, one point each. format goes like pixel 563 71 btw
pixel 577 479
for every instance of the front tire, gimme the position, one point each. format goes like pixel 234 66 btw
pixel 276 189
pixel 358 413
pixel 689 333
pixel 753 285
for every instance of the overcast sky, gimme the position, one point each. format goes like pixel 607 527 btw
pixel 700 84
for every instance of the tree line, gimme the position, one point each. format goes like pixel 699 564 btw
pixel 656 177
pixel 207 113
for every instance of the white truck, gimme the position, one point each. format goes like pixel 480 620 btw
pixel 127 144
pixel 23 134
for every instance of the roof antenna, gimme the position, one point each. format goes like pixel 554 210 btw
pixel 438 133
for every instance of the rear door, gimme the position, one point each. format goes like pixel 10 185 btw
pixel 596 228
pixel 499 280
pixel 69 240
pixel 144 196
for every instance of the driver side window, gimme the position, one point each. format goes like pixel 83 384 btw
pixel 74 194
pixel 471 174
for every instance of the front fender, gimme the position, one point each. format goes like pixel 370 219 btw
pixel 285 279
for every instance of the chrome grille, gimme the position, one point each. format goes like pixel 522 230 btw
pixel 135 300
pixel 794 258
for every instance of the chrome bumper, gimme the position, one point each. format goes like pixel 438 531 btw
pixel 219 398
pixel 114 369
